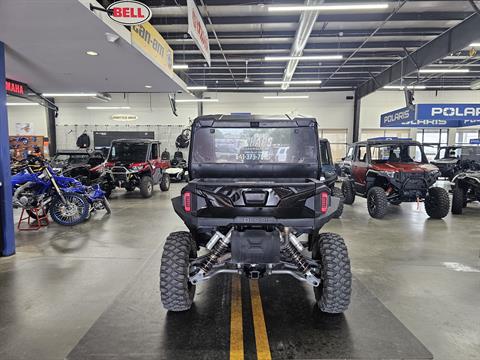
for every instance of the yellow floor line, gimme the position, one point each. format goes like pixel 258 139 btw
pixel 261 337
pixel 236 322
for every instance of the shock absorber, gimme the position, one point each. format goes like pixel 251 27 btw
pixel 218 245
pixel 293 247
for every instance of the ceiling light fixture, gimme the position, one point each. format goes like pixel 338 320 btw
pixel 436 71
pixel 344 7
pixel 304 58
pixel 108 107
pixel 475 44
pixel 21 104
pixel 91 53
pixel 287 97
pixel 69 94
pixel 195 100
pixel 400 87
pixel 292 82
pixel 148 86
pixel 179 66
pixel 195 88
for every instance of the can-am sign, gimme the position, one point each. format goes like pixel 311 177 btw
pixel 433 115
pixel 129 12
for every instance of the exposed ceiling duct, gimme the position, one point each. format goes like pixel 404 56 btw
pixel 305 27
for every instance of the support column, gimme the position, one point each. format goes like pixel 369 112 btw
pixel 51 129
pixel 7 235
pixel 356 117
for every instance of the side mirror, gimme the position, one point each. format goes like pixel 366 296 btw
pixel 343 158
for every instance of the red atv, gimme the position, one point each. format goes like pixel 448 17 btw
pixel 392 171
pixel 136 163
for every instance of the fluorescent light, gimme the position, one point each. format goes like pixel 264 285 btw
pixel 475 45
pixel 196 88
pixel 195 100
pixel 304 58
pixel 180 66
pixel 292 82
pixel 435 71
pixel 69 94
pixel 344 7
pixel 148 86
pixel 287 97
pixel 108 107
pixel 399 87
pixel 22 104
pixel 91 53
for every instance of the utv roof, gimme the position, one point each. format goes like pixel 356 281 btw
pixel 248 120
pixel 388 142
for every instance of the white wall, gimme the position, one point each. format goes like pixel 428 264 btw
pixel 331 109
pixel 153 111
pixel 36 115
pixel 373 105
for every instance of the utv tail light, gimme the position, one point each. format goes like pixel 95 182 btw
pixel 187 201
pixel 324 207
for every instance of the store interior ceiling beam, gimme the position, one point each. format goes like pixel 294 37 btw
pixel 451 41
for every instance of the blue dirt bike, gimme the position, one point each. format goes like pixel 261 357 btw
pixel 66 199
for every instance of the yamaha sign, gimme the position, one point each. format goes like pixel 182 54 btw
pixel 433 115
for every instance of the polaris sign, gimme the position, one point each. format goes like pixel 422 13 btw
pixel 448 111
pixel 433 115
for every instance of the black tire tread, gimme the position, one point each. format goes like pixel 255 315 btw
pixel 381 202
pixel 437 203
pixel 175 293
pixel 144 181
pixel 457 200
pixel 348 192
pixel 333 294
pixel 165 182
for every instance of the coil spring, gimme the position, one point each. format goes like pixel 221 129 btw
pixel 296 257
pixel 218 250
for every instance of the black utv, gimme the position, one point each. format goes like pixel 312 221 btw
pixel 465 189
pixel 452 160
pixel 329 173
pixel 254 190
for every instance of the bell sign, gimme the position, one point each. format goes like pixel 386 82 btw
pixel 129 12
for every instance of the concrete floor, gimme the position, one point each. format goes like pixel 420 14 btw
pixel 426 272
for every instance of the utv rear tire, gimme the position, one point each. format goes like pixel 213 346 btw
pixel 338 193
pixel 333 293
pixel 377 202
pixel 146 186
pixel 176 291
pixel 165 182
pixel 437 203
pixel 348 192
pixel 457 200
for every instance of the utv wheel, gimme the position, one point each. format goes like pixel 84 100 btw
pixel 457 200
pixel 333 293
pixel 165 183
pixel 176 291
pixel 377 202
pixel 338 193
pixel 348 192
pixel 437 203
pixel 146 186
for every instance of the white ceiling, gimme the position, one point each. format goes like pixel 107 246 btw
pixel 46 43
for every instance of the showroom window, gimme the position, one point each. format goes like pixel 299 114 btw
pixel 432 139
pixel 464 136
pixel 338 141
pixel 375 133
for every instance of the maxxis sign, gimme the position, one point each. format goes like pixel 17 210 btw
pixel 198 31
pixel 129 12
